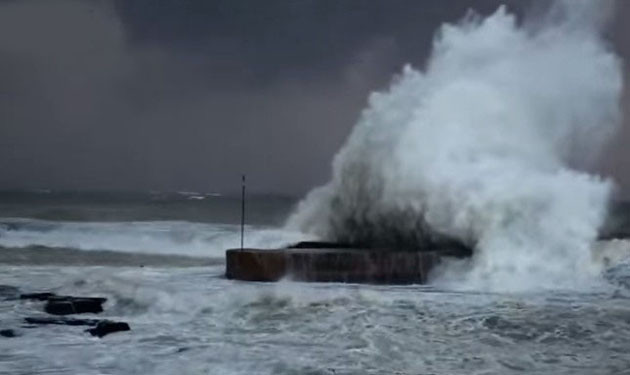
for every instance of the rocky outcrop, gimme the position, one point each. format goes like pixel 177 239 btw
pixel 105 327
pixel 74 305
pixel 66 305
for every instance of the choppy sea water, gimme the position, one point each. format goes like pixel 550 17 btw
pixel 187 318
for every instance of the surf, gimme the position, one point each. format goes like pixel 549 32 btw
pixel 488 144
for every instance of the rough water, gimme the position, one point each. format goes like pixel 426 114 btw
pixel 191 320
pixel 540 295
pixel 187 318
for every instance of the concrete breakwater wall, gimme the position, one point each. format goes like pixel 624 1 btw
pixel 321 264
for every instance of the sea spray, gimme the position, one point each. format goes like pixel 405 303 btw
pixel 484 145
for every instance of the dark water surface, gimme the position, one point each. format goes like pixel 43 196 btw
pixel 137 206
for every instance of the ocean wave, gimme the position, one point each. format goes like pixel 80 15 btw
pixel 151 237
pixel 48 256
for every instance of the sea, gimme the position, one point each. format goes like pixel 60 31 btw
pixel 159 260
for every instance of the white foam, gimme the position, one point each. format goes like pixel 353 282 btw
pixel 485 145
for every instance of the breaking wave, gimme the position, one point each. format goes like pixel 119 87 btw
pixel 486 145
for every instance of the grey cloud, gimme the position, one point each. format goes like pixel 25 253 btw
pixel 616 160
pixel 172 95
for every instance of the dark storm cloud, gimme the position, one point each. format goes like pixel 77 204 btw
pixel 275 38
pixel 616 160
pixel 171 95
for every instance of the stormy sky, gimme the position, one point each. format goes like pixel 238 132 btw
pixel 190 94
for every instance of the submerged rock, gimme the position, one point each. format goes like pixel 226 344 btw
pixel 45 296
pixel 99 328
pixel 66 305
pixel 105 327
pixel 74 305
pixel 7 333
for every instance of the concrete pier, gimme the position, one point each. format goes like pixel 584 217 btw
pixel 377 266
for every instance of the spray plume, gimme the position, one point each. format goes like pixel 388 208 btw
pixel 484 146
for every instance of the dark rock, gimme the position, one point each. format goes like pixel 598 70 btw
pixel 105 327
pixel 59 308
pixel 7 333
pixel 100 327
pixel 62 321
pixel 74 305
pixel 66 305
pixel 38 296
pixel 89 304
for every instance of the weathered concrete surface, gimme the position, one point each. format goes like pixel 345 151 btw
pixel 256 265
pixel 377 266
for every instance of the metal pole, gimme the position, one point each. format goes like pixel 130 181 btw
pixel 243 213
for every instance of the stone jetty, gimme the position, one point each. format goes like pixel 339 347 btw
pixel 321 262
